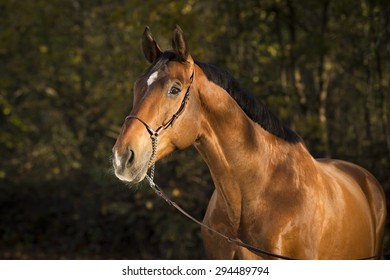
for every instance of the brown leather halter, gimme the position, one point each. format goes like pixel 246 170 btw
pixel 154 136
pixel 174 117
pixel 155 133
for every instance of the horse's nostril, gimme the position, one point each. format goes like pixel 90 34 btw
pixel 121 162
pixel 130 158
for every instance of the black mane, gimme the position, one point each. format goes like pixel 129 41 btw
pixel 256 110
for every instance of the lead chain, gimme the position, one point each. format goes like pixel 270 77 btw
pixel 152 162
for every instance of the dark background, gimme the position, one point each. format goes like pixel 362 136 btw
pixel 66 74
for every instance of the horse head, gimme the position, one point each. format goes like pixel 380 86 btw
pixel 160 109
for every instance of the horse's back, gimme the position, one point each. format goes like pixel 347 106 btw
pixel 366 192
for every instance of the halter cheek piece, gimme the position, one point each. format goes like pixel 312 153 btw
pixel 154 136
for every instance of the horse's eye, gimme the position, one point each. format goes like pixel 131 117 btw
pixel 174 91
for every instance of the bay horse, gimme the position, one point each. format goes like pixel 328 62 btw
pixel 269 191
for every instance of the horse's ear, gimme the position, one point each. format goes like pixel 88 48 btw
pixel 151 50
pixel 180 46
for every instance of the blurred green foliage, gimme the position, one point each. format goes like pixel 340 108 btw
pixel 66 74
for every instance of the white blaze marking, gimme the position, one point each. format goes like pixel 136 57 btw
pixel 152 78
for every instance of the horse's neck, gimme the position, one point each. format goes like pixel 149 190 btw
pixel 242 156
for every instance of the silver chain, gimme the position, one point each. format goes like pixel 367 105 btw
pixel 152 160
pixel 152 163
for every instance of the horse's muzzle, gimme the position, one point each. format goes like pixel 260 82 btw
pixel 124 166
